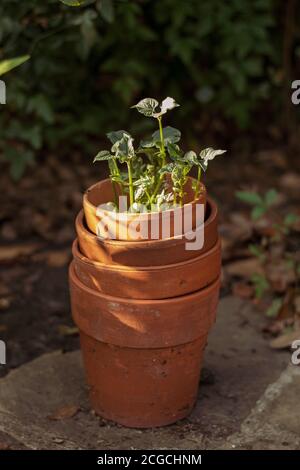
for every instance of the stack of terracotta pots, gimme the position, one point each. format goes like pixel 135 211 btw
pixel 144 309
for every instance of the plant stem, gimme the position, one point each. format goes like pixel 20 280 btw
pixel 162 141
pixel 115 194
pixel 131 197
pixel 163 154
pixel 198 182
pixel 181 197
pixel 117 172
pixel 156 188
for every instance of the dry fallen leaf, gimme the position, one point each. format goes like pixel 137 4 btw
pixel 280 275
pixel 5 303
pixel 55 258
pixel 245 268
pixel 65 412
pixel 273 156
pixel 285 340
pixel 290 182
pixel 66 330
pixel 8 232
pixel 12 252
pixel 243 290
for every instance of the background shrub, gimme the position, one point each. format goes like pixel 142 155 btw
pixel 223 60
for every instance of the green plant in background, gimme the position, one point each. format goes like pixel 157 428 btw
pixel 147 182
pixel 9 64
pixel 262 206
pixel 278 229
pixel 224 56
pixel 73 3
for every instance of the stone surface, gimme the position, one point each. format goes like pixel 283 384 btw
pixel 247 398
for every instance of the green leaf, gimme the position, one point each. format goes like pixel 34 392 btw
pixel 146 106
pixel 260 284
pixel 274 308
pixel 271 196
pixel 148 144
pixel 123 148
pixel 191 157
pixel 290 219
pixel 114 136
pixel 174 151
pixel 171 135
pixel 40 105
pixel 18 161
pixel 106 9
pixel 258 212
pixel 167 168
pixel 102 155
pixel 257 251
pixel 249 197
pixel 73 3
pixel 7 65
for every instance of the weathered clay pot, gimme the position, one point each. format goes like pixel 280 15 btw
pixel 142 357
pixel 141 226
pixel 153 282
pixel 148 252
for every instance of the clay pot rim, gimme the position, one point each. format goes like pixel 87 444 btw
pixel 87 203
pixel 80 222
pixel 120 267
pixel 121 300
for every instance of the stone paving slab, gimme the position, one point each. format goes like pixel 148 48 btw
pixel 240 369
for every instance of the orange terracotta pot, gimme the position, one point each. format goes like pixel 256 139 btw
pixel 142 357
pixel 148 252
pixel 142 226
pixel 153 282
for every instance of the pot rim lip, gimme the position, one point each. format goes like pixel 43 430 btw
pixel 91 206
pixel 121 300
pixel 123 268
pixel 79 222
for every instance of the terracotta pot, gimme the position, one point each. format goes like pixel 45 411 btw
pixel 142 226
pixel 148 253
pixel 153 282
pixel 142 357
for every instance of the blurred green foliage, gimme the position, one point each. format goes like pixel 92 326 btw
pixel 90 63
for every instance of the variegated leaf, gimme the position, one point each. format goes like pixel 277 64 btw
pixel 168 103
pixel 147 107
pixel 171 135
pixel 102 155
